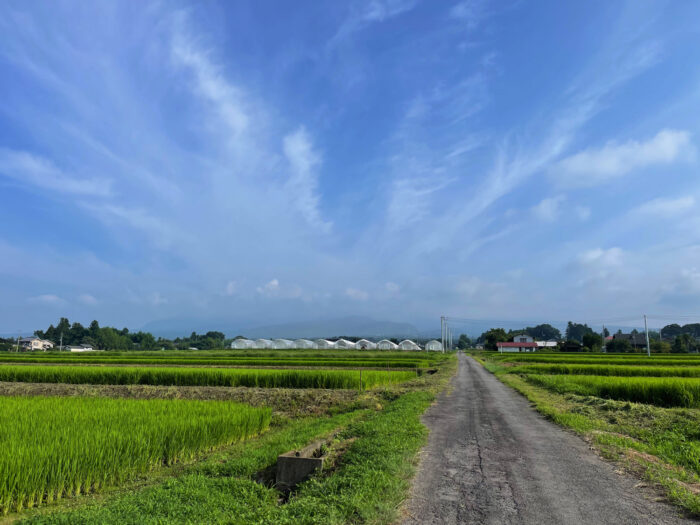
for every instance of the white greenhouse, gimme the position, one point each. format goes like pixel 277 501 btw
pixel 407 344
pixel 240 344
pixel 434 345
pixel 263 343
pixel 282 344
pixel 344 344
pixel 365 344
pixel 324 344
pixel 385 344
pixel 304 343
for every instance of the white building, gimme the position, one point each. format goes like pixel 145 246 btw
pixel 523 338
pixel 324 344
pixel 517 346
pixel 34 343
pixel 344 344
pixel 434 345
pixel 80 348
pixel 551 343
pixel 407 344
pixel 240 344
pixel 282 344
pixel 365 344
pixel 385 344
pixel 304 343
pixel 263 343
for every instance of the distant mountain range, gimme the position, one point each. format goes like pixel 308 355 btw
pixel 356 326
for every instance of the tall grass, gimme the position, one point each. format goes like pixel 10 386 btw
pixel 241 361
pixel 52 446
pixel 660 391
pixel 608 370
pixel 266 378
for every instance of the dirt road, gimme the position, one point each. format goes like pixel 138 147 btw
pixel 492 459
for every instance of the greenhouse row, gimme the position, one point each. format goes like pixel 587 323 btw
pixel 341 344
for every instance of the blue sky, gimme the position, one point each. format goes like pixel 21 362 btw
pixel 280 161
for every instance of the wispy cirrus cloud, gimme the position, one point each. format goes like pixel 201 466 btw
pixel 35 171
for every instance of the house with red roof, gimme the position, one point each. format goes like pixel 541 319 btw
pixel 520 343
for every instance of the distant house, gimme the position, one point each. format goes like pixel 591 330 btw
pixel 636 340
pixel 479 346
pixel 324 344
pixel 517 346
pixel 523 338
pixel 80 348
pixel 34 343
pixel 385 344
pixel 365 344
pixel 407 344
pixel 434 345
pixel 550 343
pixel 344 344
pixel 240 344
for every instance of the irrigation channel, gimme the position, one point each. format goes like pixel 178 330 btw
pixel 492 459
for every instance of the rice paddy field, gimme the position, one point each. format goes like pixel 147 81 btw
pixel 105 437
pixel 642 411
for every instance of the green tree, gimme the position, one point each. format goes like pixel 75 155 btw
pixel 619 345
pixel 543 332
pixel 593 341
pixel 493 336
pixel 463 342
pixel 576 331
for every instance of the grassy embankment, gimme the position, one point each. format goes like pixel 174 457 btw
pixel 377 436
pixel 636 411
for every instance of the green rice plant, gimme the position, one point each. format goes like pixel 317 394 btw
pixel 264 378
pixel 659 391
pixel 51 447
pixel 608 370
pixel 637 360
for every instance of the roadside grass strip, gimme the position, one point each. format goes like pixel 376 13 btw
pixel 266 378
pixel 51 447
pixel 368 484
pixel 659 391
pixel 608 370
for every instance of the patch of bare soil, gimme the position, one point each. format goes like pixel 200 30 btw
pixel 291 402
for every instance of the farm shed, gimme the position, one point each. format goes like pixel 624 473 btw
pixel 365 344
pixel 304 343
pixel 407 344
pixel 240 344
pixel 344 344
pixel 263 343
pixel 282 344
pixel 324 344
pixel 385 344
pixel 434 345
pixel 517 347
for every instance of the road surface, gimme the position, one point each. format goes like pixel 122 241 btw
pixel 492 459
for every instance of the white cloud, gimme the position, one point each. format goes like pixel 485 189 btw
pixel 667 207
pixel 270 288
pixel 548 209
pixel 596 166
pixel 303 182
pixel 582 212
pixel 88 299
pixel 49 299
pixel 157 299
pixel 392 287
pixel 231 288
pixel 600 264
pixel 358 295
pixel 36 171
pixel 470 12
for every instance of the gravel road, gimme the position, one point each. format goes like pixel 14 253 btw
pixel 492 459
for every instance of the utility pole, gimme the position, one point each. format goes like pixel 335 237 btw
pixel 442 332
pixel 604 349
pixel 60 345
pixel 646 331
pixel 17 348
